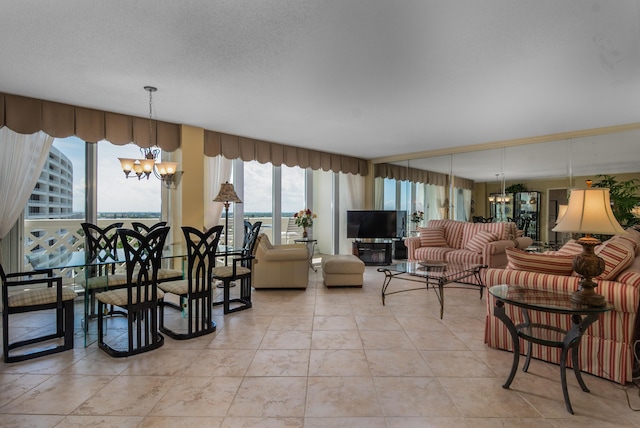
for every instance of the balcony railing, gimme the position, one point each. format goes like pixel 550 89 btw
pixel 63 236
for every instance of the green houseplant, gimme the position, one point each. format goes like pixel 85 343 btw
pixel 624 198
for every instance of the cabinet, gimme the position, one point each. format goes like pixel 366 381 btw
pixel 523 208
pixel 373 252
pixel 399 249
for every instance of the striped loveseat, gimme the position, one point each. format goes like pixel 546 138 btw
pixel 463 242
pixel 607 347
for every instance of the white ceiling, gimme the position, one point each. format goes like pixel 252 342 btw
pixel 367 78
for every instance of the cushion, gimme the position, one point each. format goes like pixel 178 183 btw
pixel 633 236
pixel 342 263
pixel 618 254
pixel 480 241
pixel 471 229
pixel 432 237
pixel 452 231
pixel 571 248
pixel 40 296
pixel 119 297
pixel 552 264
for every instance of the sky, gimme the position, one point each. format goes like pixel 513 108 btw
pixel 115 192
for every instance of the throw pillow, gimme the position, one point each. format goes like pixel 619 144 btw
pixel 432 237
pixel 571 248
pixel 552 264
pixel 618 254
pixel 480 240
pixel 633 236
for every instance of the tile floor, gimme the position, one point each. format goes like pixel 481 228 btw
pixel 314 358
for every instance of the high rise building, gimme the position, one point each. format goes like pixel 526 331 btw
pixel 53 195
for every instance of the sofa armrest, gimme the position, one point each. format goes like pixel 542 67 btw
pixel 412 244
pixel 284 253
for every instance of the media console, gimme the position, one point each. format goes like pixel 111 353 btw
pixel 373 251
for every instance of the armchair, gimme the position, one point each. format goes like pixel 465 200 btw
pixel 280 266
pixel 36 291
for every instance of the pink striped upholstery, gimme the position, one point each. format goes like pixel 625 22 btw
pixel 431 253
pixel 539 262
pixel 571 248
pixel 607 346
pixel 432 237
pixel 471 229
pixel 463 257
pixel 480 240
pixel 618 254
pixel 458 234
pixel 452 230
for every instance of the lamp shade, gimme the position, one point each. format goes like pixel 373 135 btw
pixel 589 211
pixel 562 210
pixel 227 194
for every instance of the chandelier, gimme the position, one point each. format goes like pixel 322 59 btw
pixel 164 171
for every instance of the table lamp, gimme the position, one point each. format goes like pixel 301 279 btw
pixel 589 211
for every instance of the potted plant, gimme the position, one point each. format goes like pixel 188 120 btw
pixel 624 198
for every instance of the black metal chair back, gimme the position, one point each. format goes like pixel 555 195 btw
pixel 196 292
pixel 140 297
pixel 101 244
pixel 251 232
pixel 144 229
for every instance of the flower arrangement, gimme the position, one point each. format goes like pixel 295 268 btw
pixel 417 217
pixel 304 218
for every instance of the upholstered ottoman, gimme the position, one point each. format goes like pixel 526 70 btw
pixel 342 270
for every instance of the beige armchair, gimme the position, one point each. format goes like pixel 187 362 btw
pixel 280 266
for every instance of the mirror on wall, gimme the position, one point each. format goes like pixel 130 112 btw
pixel 538 175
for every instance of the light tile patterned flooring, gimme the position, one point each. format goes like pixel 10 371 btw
pixel 314 358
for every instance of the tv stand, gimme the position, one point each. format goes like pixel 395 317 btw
pixel 373 252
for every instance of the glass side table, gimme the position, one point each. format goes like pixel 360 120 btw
pixel 526 299
pixel 311 248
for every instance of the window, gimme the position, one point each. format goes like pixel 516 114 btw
pixel 258 195
pixel 119 197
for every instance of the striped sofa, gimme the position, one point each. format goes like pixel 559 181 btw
pixel 607 348
pixel 463 242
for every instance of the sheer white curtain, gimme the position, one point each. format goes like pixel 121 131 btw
pixel 378 196
pixel 219 171
pixel 351 199
pixel 21 160
pixel 436 196
pixel 466 200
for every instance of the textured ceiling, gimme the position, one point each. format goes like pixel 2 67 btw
pixel 367 78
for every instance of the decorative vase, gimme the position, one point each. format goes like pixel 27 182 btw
pixel 304 232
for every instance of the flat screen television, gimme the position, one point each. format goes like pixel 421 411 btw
pixel 376 224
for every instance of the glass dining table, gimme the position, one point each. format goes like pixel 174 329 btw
pixel 75 266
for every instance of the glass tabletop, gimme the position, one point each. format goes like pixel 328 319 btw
pixel 433 269
pixel 74 259
pixel 537 299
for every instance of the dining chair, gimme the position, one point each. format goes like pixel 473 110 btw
pixel 238 270
pixel 194 292
pixel 251 232
pixel 164 274
pixel 101 246
pixel 140 297
pixel 36 291
pixel 144 229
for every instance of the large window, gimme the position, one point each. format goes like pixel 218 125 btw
pixel 258 194
pixel 119 197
